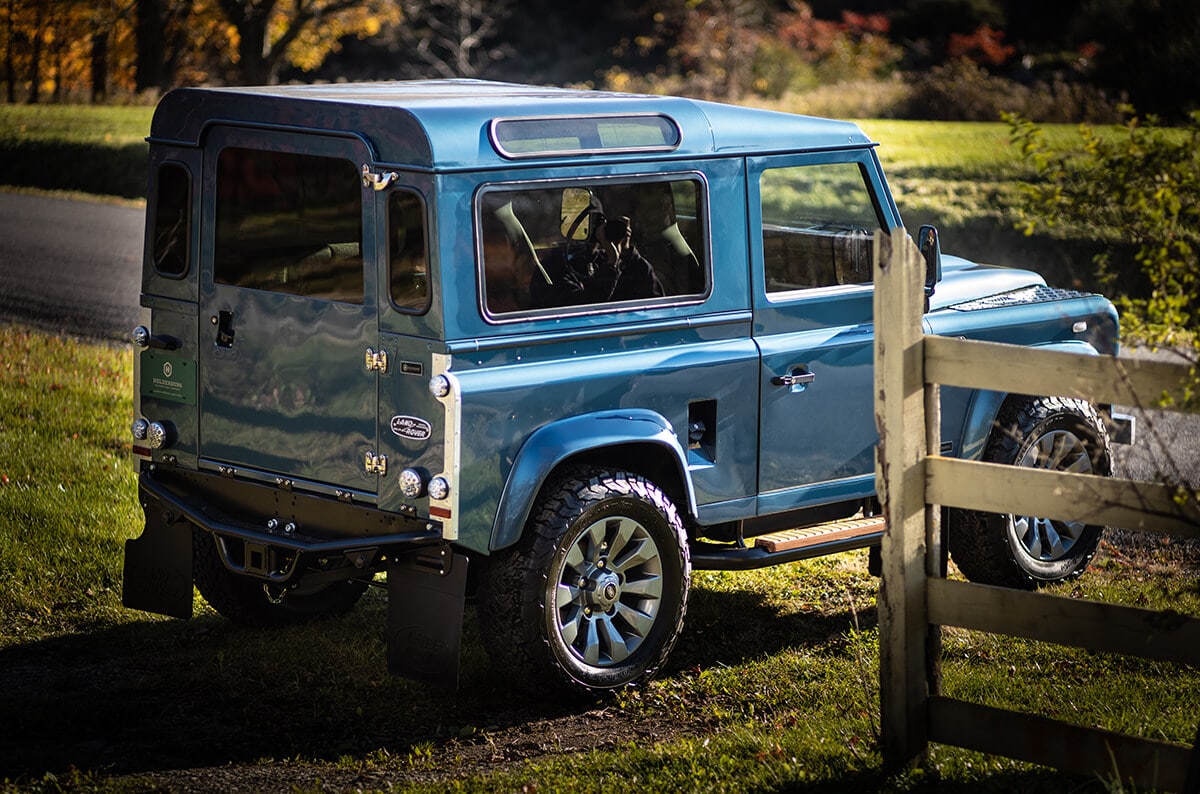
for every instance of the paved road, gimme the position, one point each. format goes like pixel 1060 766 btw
pixel 71 266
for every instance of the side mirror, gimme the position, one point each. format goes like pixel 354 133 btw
pixel 931 251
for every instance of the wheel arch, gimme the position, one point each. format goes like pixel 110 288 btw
pixel 985 405
pixel 639 440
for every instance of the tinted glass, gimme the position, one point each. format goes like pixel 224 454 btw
pixel 289 223
pixel 172 220
pixel 606 243
pixel 407 259
pixel 819 223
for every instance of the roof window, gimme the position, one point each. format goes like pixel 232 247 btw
pixel 548 136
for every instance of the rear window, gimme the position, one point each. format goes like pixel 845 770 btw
pixel 289 223
pixel 593 246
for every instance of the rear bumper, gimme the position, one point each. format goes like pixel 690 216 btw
pixel 211 518
pixel 280 538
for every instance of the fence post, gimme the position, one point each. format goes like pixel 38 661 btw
pixel 900 478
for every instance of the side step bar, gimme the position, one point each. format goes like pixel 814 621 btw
pixel 788 545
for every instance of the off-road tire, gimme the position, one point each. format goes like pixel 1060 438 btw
pixel 243 600
pixel 1026 552
pixel 545 630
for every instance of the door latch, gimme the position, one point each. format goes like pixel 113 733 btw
pixel 376 360
pixel 375 464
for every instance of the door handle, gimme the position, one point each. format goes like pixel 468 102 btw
pixel 223 320
pixel 798 378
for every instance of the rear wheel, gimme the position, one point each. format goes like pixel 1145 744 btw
pixel 594 594
pixel 1055 433
pixel 250 601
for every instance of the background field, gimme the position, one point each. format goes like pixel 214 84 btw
pixel 772 687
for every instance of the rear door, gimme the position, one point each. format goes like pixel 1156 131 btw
pixel 287 312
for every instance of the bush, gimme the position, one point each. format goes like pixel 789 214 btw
pixel 1140 188
pixel 964 91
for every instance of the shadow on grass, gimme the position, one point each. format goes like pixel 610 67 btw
pixel 160 695
pixel 56 165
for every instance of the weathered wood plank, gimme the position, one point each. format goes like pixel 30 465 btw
pixel 999 488
pixel 1022 370
pixel 1146 763
pixel 1095 625
pixel 900 476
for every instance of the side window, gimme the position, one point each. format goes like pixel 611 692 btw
pixel 819 223
pixel 597 244
pixel 289 223
pixel 408 265
pixel 172 221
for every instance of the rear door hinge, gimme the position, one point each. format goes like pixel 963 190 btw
pixel 378 180
pixel 375 464
pixel 376 360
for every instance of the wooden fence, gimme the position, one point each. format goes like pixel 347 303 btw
pixel 915 597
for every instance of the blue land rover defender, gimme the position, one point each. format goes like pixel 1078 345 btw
pixel 555 348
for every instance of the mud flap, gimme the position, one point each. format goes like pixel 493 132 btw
pixel 158 566
pixel 426 598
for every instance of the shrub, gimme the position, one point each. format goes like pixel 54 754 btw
pixel 964 91
pixel 1140 188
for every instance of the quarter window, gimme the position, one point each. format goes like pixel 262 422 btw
pixel 567 248
pixel 172 221
pixel 819 224
pixel 289 223
pixel 408 263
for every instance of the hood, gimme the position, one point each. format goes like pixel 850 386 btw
pixel 963 280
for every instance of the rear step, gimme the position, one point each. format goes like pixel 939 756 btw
pixel 788 545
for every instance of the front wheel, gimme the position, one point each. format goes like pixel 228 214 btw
pixel 595 593
pixel 1056 433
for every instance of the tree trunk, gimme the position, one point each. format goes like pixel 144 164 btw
pixel 99 67
pixel 150 35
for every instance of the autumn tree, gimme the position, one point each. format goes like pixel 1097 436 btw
pixel 717 46
pixel 55 50
pixel 162 30
pixel 453 38
pixel 270 33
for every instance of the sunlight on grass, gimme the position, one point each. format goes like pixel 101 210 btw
pixel 67 488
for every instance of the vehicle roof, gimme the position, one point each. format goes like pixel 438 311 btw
pixel 443 124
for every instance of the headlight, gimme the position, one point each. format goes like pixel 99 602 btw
pixel 141 336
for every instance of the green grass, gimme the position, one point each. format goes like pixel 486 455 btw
pixel 773 685
pixel 66 484
pixel 77 124
pixel 77 148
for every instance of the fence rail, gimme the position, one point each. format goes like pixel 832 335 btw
pixel 915 598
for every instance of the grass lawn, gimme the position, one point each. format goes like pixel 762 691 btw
pixel 772 687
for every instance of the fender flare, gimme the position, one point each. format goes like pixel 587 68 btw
pixel 551 444
pixel 985 405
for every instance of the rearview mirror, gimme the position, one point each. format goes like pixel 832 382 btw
pixel 931 251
